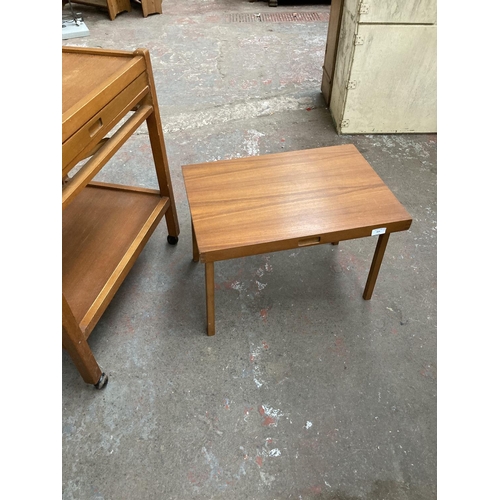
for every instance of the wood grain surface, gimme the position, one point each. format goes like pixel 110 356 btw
pixel 273 202
pixel 102 234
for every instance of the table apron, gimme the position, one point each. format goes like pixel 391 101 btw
pixel 290 244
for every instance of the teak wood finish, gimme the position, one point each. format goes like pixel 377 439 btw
pixel 105 226
pixel 151 7
pixel 282 201
pixel 113 7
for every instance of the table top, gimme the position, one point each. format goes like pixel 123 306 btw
pixel 82 73
pixel 268 202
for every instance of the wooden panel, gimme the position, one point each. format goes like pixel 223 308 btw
pixel 343 62
pixel 82 74
pixel 294 197
pixel 399 11
pixel 394 71
pixel 99 229
pixel 151 7
pixel 331 48
pixel 352 6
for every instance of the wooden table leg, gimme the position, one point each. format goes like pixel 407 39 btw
pixel 117 6
pixel 162 170
pixel 151 7
pixel 375 267
pixel 159 151
pixel 210 289
pixel 196 250
pixel 78 348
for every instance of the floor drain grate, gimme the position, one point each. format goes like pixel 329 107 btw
pixel 278 17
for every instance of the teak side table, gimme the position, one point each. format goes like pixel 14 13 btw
pixel 274 202
pixel 105 226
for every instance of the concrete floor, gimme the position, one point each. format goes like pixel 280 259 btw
pixel 306 391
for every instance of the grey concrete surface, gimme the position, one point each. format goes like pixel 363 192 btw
pixel 306 391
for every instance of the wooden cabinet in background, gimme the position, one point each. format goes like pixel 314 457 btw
pixel 379 74
pixel 106 96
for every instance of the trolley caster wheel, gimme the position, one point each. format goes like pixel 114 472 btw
pixel 103 381
pixel 172 240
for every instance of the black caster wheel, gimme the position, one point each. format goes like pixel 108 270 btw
pixel 103 381
pixel 172 240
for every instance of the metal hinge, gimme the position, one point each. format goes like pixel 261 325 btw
pixel 363 8
pixel 359 40
pixel 351 85
pixel 344 123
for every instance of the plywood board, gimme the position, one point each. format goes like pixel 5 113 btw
pixel 392 81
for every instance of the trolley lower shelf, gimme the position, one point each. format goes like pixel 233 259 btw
pixel 104 230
